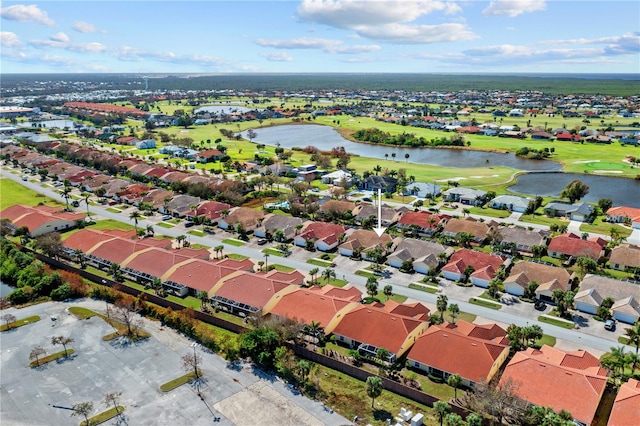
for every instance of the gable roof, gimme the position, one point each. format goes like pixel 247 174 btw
pixel 202 275
pixel 522 236
pixel 524 272
pixel 37 216
pixel 477 259
pixel 626 255
pixel 626 407
pixel 157 261
pixel 632 213
pixel 477 229
pixel 465 349
pixel 422 219
pixel 327 232
pixel 366 239
pixel 549 377
pixel 247 288
pixel 85 239
pixel 572 245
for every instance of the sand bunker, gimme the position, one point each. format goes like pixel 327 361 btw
pixel 455 179
pixel 482 177
pixel 607 171
pixel 586 161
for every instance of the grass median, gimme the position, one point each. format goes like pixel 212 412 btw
pixel 104 416
pixel 177 382
pixel 52 357
pixel 557 322
pixel 19 323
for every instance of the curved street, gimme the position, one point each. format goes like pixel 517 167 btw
pixel 590 335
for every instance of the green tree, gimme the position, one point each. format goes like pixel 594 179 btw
pixel 313 272
pixel 474 419
pixel 454 381
pixel 441 304
pixel 374 388
pixel 454 311
pixel 388 290
pixel 633 334
pixel 328 274
pixel 454 419
pixel 372 286
pixel 575 190
pixel 382 354
pixel 135 215
pixel 441 409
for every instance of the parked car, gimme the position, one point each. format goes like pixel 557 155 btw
pixel 367 199
pixel 610 325
pixel 262 242
pixel 166 217
pixel 540 305
pixel 24 178
pixel 189 224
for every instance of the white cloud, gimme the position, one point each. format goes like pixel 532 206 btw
pixel 418 34
pixel 386 21
pixel 348 14
pixel 277 57
pixel 84 27
pixel 26 13
pixel 9 39
pixel 327 45
pixel 513 8
pixel 61 37
pixel 616 45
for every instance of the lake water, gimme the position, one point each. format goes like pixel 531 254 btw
pixel 325 138
pixel 5 289
pixel 226 109
pixel 621 191
pixel 60 124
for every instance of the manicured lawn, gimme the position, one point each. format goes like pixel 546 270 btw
pixel 19 323
pixel 236 256
pixel 319 262
pixel 490 212
pixel 273 252
pixel 113 210
pixel 177 382
pixel 542 220
pixel 197 233
pixel 82 313
pixel 624 340
pixel 485 303
pixel 49 358
pixel 546 340
pixel 363 273
pixel 604 228
pixel 557 322
pixel 334 282
pixel 425 288
pixel 281 268
pixel 104 416
pixel 165 225
pixel 112 224
pixel 13 193
pixel 121 329
pixel 233 242
pixel 395 297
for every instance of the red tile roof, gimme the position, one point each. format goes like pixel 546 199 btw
pixel 371 324
pixel 549 377
pixel 477 259
pixel 118 249
pixel 248 288
pixel 202 275
pixel 626 407
pixel 465 349
pixel 572 245
pixel 624 211
pixel 327 232
pixel 156 261
pixel 87 238
pixel 35 217
pixel 422 219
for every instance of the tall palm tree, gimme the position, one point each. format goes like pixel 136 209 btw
pixel 633 334
pixel 441 304
pixel 87 196
pixel 135 215
pixel 328 274
pixel 66 194
pixel 313 273
pixel 266 262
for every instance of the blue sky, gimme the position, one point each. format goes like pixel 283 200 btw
pixel 466 36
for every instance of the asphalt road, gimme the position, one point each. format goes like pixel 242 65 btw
pixel 595 338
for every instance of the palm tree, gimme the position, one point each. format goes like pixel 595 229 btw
pixel 114 270
pixel 218 250
pixel 633 334
pixel 441 304
pixel 66 194
pixel 441 409
pixel 454 381
pixel 204 298
pixel 313 273
pixel 454 311
pixel 388 290
pixel 79 254
pixel 372 286
pixel 150 230
pixel 86 196
pixel 328 274
pixel 374 387
pixel 266 262
pixel 135 215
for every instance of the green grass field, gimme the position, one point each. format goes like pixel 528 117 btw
pixel 12 193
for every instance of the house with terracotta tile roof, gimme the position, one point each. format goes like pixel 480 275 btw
pixel 372 327
pixel 548 377
pixel 622 214
pixel 424 223
pixel 311 304
pixel 212 210
pixel 117 250
pixel 244 293
pixel 363 240
pixel 474 352
pixel 424 255
pixel 333 209
pixel 547 277
pixel 195 275
pixel 626 407
pixel 145 265
pixel 595 288
pixel 325 236
pixel 469 225
pixel 485 266
pixel 571 245
pixel 85 239
pixel 246 217
pixel 625 257
pixel 40 220
pixel 208 155
pixel 132 194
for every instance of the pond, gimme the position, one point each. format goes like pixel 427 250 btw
pixel 325 138
pixel 623 192
pixel 60 124
pixel 5 289
pixel 223 109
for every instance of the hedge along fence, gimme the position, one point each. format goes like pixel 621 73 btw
pixel 353 371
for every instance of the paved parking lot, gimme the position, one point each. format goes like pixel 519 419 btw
pixel 231 394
